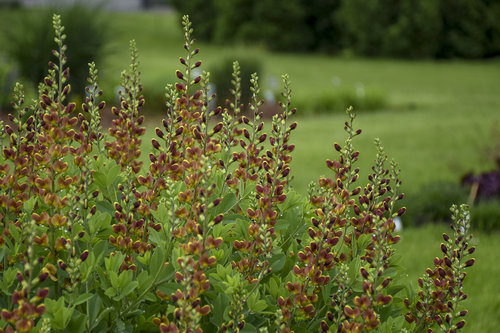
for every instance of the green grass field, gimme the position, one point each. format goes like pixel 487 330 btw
pixel 437 125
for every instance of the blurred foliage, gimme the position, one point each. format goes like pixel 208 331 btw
pixel 221 77
pixel 4 86
pixel 335 100
pixel 406 28
pixel 431 203
pixel 30 42
pixel 486 215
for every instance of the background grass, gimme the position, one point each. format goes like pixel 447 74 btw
pixel 437 124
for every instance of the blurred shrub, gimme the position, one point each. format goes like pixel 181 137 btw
pixel 430 204
pixel 221 77
pixel 413 34
pixel 485 215
pixel 202 14
pixel 365 24
pixel 4 86
pixel 471 29
pixel 30 42
pixel 335 100
pixel 405 28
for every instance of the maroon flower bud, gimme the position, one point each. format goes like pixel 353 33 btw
pixel 101 105
pixel 93 210
pixel 447 261
pixel 66 90
pixel 364 272
pixel 197 79
pixel 155 144
pixel 218 218
pixel 401 211
pixel 443 248
pixel 42 277
pixel 471 250
pixel 218 127
pixel 182 60
pixel 84 255
pixel 118 207
pixel 469 262
pixel 159 133
pixel 62 265
pixel 8 130
pixel 180 87
pixel 42 293
pixel 179 75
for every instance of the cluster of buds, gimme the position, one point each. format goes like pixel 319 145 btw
pixel 333 231
pixel 187 160
pixel 127 129
pixel 17 166
pixel 270 171
pixel 441 288
pixel 27 308
pixel 130 226
pixel 321 251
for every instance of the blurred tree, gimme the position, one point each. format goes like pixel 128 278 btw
pixel 416 31
pixel 30 42
pixel 396 28
pixel 202 14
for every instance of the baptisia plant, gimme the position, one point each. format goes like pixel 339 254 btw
pixel 208 236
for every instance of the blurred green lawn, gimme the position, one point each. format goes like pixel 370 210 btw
pixel 439 120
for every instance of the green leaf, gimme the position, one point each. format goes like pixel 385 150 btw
pixel 157 261
pixel 113 278
pixel 94 309
pixel 157 238
pixel 77 323
pixel 354 245
pixel 227 203
pixel 110 292
pixel 256 305
pixel 220 304
pixel 113 263
pixel 248 328
pixel 273 286
pixel 59 314
pixel 129 288
pixel 277 262
pixel 83 298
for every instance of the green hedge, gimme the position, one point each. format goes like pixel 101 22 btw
pixel 405 28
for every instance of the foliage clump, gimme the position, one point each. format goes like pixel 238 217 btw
pixel 209 236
